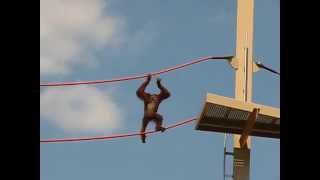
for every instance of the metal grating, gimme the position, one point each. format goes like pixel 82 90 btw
pixel 222 114
pixel 216 111
pixel 238 115
pixel 265 119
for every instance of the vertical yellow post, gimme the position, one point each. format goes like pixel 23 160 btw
pixel 243 80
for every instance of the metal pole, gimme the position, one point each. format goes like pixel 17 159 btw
pixel 243 80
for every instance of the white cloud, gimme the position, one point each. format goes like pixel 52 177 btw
pixel 71 31
pixel 69 27
pixel 80 109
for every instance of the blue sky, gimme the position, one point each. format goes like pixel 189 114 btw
pixel 87 40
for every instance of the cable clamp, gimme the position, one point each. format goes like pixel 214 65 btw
pixel 234 62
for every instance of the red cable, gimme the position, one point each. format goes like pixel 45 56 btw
pixel 137 76
pixel 114 136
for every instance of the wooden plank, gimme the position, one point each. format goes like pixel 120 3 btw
pixel 245 106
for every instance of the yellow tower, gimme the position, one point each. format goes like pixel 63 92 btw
pixel 243 80
pixel 240 116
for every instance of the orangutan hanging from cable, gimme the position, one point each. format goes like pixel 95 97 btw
pixel 151 105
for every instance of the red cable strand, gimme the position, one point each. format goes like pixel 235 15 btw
pixel 137 76
pixel 114 136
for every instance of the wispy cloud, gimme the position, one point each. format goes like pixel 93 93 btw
pixel 71 31
pixel 69 27
pixel 81 109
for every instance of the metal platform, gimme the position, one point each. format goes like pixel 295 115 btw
pixel 227 115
